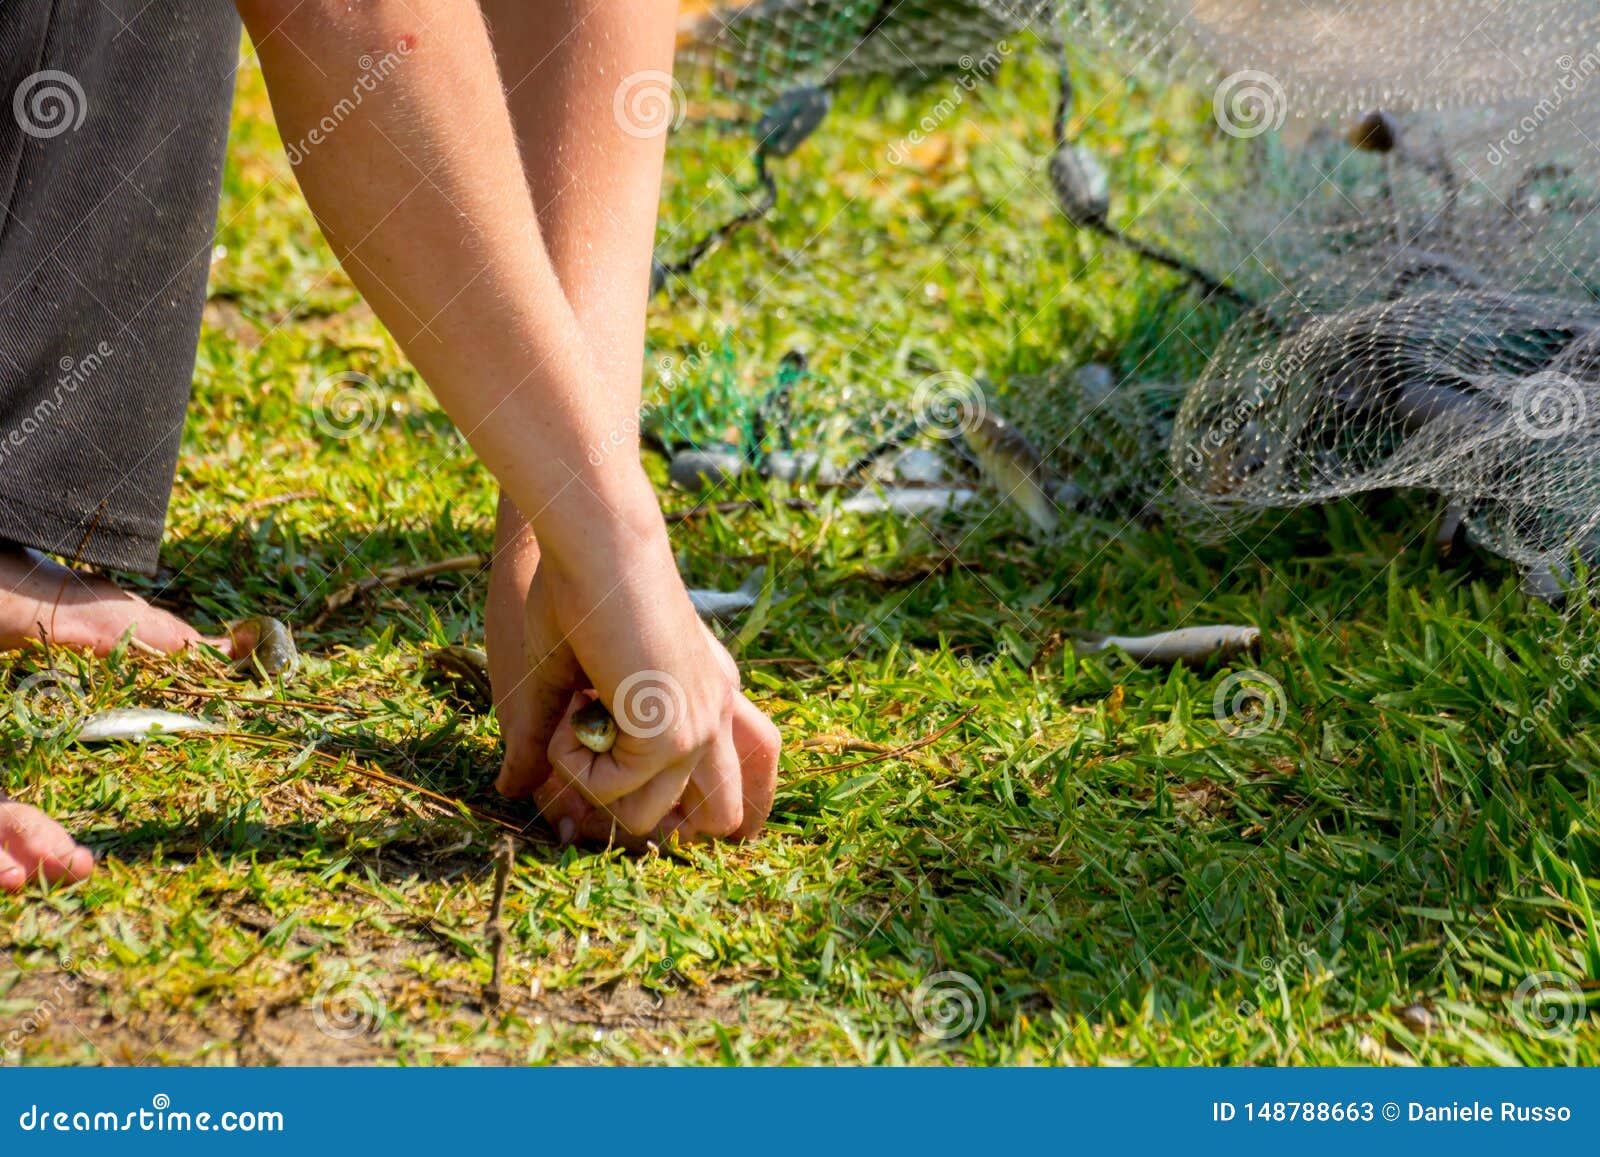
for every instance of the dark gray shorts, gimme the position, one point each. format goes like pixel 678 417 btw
pixel 112 132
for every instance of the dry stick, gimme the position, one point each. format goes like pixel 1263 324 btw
pixel 676 516
pixel 327 705
pixel 495 929
pixel 346 595
pixel 450 802
pixel 891 753
pixel 276 500
pixel 1477 999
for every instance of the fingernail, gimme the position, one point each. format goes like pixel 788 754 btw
pixel 567 829
pixel 12 878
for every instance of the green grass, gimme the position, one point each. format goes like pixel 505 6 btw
pixel 1119 875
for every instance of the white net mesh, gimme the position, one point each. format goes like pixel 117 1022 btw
pixel 1397 206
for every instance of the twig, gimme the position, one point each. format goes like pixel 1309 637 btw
pixel 495 929
pixel 395 575
pixel 764 205
pixel 327 705
pixel 675 516
pixel 276 500
pixel 890 753
pixel 449 802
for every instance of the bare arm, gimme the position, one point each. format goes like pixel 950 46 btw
pixel 596 183
pixel 415 181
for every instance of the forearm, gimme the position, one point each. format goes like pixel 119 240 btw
pixel 418 188
pixel 595 187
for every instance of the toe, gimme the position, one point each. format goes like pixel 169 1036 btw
pixel 12 874
pixel 35 847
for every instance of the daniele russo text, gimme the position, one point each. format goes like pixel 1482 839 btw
pixel 1481 1112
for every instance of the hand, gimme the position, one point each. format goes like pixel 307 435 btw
pixel 538 679
pixel 696 815
pixel 528 703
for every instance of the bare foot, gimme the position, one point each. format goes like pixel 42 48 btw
pixel 80 610
pixel 34 847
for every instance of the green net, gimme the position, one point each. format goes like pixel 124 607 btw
pixel 1374 259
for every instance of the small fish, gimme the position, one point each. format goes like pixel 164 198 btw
pixel 792 119
pixel 1096 381
pixel 469 667
pixel 694 470
pixel 1082 188
pixel 594 727
pixel 1418 404
pixel 919 466
pixel 802 466
pixel 1417 1018
pixel 713 604
pixel 1447 532
pixel 906 501
pixel 1189 645
pixel 138 723
pixel 264 645
pixel 1009 461
pixel 1548 583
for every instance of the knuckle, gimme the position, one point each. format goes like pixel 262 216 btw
pixel 730 823
pixel 771 739
pixel 634 824
pixel 680 743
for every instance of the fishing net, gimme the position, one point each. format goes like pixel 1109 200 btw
pixel 1393 220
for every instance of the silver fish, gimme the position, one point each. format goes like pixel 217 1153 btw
pixel 138 723
pixel 1547 582
pixel 694 470
pixel 1447 531
pixel 714 604
pixel 919 466
pixel 904 500
pixel 594 727
pixel 264 645
pixel 1190 645
pixel 1009 461
pixel 802 466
